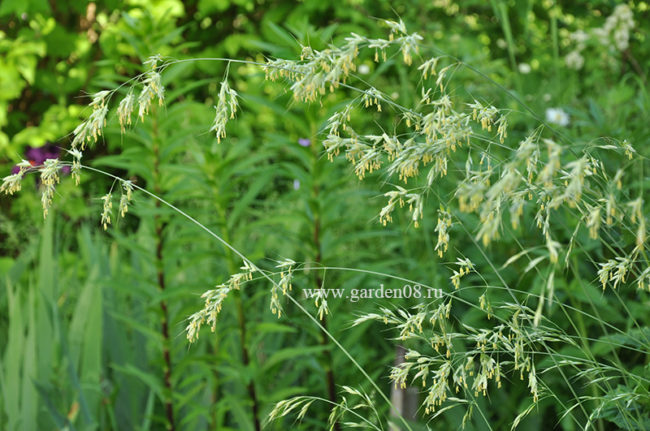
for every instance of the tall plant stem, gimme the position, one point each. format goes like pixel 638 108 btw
pixel 239 299
pixel 331 382
pixel 246 360
pixel 329 373
pixel 159 227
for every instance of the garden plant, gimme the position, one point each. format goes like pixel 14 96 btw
pixel 243 215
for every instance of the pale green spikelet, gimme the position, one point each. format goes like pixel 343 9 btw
pixel 126 197
pixel 13 183
pixel 49 179
pixel 226 109
pixel 107 208
pixel 125 109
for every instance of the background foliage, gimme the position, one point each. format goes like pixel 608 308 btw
pixel 83 343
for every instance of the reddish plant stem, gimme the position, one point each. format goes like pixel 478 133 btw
pixel 329 374
pixel 164 327
pixel 246 361
pixel 239 298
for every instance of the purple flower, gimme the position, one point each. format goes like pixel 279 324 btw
pixel 38 155
pixel 304 142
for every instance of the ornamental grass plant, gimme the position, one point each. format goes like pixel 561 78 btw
pixel 357 162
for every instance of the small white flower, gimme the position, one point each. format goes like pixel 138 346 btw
pixel 579 36
pixel 601 34
pixel 524 68
pixel 574 60
pixel 557 116
pixel 364 69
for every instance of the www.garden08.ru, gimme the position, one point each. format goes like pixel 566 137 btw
pixel 407 291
